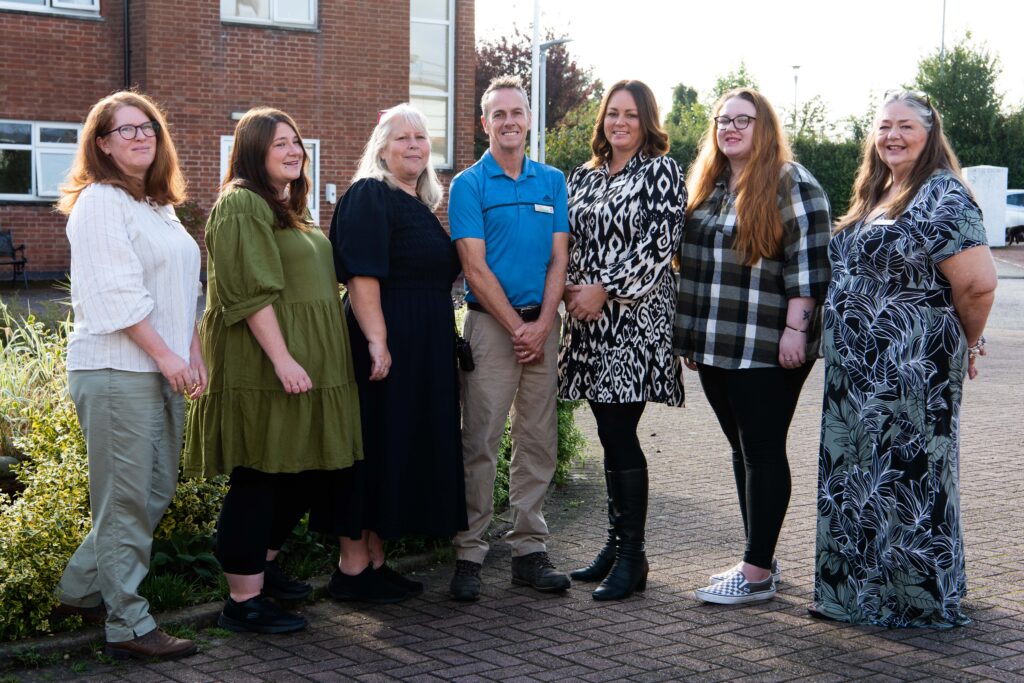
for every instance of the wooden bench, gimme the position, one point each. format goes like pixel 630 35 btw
pixel 9 256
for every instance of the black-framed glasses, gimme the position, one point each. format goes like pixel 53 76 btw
pixel 741 121
pixel 128 131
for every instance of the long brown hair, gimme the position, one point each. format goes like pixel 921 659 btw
pixel 164 182
pixel 247 167
pixel 874 177
pixel 758 219
pixel 655 139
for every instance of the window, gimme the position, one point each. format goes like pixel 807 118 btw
pixel 35 158
pixel 90 7
pixel 312 150
pixel 432 71
pixel 295 13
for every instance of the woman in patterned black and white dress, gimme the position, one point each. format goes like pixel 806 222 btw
pixel 626 209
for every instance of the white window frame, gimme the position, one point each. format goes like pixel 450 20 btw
pixel 449 98
pixel 312 149
pixel 273 21
pixel 56 7
pixel 38 149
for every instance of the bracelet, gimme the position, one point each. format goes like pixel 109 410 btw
pixel 974 350
pixel 788 326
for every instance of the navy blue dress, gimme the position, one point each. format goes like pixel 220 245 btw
pixel 410 482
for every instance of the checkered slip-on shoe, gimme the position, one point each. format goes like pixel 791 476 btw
pixel 734 589
pixel 776 573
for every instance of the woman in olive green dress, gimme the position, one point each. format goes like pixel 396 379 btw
pixel 281 415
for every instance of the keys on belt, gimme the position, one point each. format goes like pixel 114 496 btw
pixel 527 313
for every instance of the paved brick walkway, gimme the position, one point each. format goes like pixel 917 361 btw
pixel 665 634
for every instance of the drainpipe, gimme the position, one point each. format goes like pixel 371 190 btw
pixel 127 46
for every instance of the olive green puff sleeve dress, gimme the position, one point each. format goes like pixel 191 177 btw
pixel 245 418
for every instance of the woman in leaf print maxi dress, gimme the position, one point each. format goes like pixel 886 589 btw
pixel 912 285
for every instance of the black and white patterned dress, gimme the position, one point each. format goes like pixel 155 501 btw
pixel 625 229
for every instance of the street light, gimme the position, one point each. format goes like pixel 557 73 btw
pixel 796 76
pixel 542 114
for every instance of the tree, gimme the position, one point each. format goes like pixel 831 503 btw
pixel 812 121
pixel 962 86
pixel 568 84
pixel 568 144
pixel 740 78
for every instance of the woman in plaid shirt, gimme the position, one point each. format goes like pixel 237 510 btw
pixel 754 267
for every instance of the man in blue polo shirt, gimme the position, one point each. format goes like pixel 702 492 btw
pixel 510 223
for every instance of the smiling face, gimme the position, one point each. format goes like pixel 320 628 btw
pixel 622 125
pixel 406 152
pixel 284 158
pixel 506 121
pixel 899 138
pixel 737 144
pixel 132 157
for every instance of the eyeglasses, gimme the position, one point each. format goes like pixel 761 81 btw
pixel 128 131
pixel 741 122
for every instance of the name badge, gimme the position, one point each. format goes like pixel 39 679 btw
pixel 884 222
pixel 540 208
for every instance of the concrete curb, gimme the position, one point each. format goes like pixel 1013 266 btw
pixel 196 617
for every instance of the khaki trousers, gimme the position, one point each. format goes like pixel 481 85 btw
pixel 133 424
pixel 497 385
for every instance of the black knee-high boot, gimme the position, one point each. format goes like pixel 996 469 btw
pixel 628 489
pixel 602 564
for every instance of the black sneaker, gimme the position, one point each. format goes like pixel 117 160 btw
pixel 277 584
pixel 367 586
pixel 411 588
pixel 536 571
pixel 465 585
pixel 259 615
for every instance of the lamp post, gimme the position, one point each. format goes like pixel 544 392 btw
pixel 796 77
pixel 542 113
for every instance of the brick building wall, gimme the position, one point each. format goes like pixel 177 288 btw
pixel 332 80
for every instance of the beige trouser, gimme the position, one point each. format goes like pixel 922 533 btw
pixel 498 384
pixel 132 423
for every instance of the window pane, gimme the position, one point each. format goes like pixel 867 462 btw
pixel 245 9
pixel 428 9
pixel 76 4
pixel 53 170
pixel 16 133
pixel 15 171
pixel 38 3
pixel 436 111
pixel 428 59
pixel 65 135
pixel 294 11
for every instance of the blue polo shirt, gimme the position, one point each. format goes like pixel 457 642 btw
pixel 516 218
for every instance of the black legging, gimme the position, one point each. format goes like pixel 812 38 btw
pixel 616 428
pixel 755 408
pixel 259 512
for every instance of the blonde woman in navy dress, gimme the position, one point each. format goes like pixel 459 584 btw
pixel 626 210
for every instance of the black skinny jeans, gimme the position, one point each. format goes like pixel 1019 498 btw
pixel 755 408
pixel 259 512
pixel 616 428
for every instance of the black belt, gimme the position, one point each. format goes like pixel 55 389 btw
pixel 527 313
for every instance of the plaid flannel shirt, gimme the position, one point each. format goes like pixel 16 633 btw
pixel 732 316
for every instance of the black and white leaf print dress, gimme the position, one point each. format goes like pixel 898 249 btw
pixel 889 539
pixel 625 229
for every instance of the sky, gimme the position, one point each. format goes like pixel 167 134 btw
pixel 849 52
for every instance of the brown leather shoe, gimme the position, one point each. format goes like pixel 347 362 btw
pixel 95 615
pixel 154 645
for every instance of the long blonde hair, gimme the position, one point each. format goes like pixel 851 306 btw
pixel 874 177
pixel 164 182
pixel 759 220
pixel 372 165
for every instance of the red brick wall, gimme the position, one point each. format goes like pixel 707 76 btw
pixel 53 68
pixel 332 81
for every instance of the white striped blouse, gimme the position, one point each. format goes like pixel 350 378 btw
pixel 129 260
